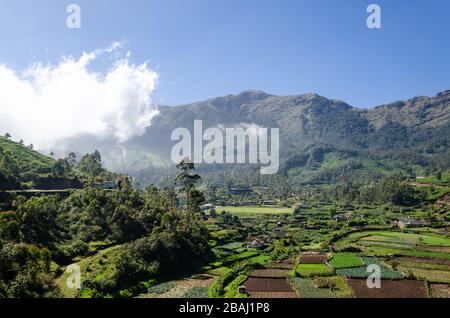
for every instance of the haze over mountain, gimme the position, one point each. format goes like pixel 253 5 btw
pixel 417 129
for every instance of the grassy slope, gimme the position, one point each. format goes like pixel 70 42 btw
pixel 27 159
pixel 334 161
pixel 134 161
pixel 99 267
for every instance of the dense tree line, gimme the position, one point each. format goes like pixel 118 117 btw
pixel 392 189
pixel 161 227
pixel 57 174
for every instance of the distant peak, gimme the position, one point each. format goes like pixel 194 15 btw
pixel 252 93
pixel 312 95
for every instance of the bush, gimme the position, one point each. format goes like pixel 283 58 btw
pixel 216 290
pixel 232 289
pixel 125 293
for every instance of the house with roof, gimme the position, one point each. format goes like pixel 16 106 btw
pixel 258 244
pixel 409 222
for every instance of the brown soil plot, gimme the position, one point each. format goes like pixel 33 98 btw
pixel 440 290
pixel 313 259
pixel 279 266
pixel 268 285
pixel 270 273
pixel 273 295
pixel 389 289
pixel 422 260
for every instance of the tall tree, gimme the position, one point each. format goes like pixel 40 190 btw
pixel 61 168
pixel 72 159
pixel 188 180
pixel 91 164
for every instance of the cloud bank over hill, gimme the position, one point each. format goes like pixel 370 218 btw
pixel 47 103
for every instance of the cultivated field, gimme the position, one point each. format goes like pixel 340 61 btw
pixel 346 260
pixel 328 287
pixel 312 270
pixel 312 259
pixel 269 286
pixel 193 287
pixel 389 289
pixel 244 211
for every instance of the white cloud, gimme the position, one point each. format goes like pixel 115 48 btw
pixel 45 104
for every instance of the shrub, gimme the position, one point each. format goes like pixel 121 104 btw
pixel 216 290
pixel 125 293
pixel 232 289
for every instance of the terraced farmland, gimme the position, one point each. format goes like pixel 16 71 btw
pixel 386 244
pixel 389 289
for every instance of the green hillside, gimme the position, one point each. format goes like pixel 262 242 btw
pixel 27 160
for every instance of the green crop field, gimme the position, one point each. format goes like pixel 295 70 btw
pixel 345 260
pixel 312 270
pixel 405 238
pixel 432 276
pixel 420 265
pixel 387 244
pixel 323 287
pixel 305 288
pixel 413 238
pixel 377 250
pixel 362 272
pixel 397 243
pixel 254 210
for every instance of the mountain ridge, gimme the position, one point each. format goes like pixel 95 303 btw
pixel 414 133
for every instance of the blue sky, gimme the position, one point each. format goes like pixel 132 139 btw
pixel 207 48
